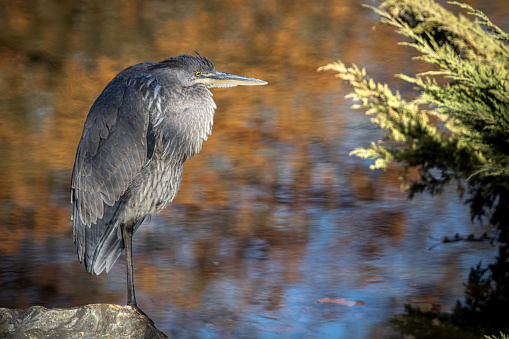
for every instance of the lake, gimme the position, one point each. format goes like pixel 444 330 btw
pixel 276 231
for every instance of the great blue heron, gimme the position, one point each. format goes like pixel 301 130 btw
pixel 146 123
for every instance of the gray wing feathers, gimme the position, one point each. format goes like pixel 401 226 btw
pixel 111 152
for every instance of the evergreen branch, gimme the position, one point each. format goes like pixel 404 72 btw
pixel 464 133
pixel 462 137
pixel 499 33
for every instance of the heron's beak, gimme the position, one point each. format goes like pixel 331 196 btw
pixel 221 79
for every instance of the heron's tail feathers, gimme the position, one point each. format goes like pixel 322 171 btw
pixel 100 244
pixel 109 249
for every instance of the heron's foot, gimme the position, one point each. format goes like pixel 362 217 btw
pixel 142 313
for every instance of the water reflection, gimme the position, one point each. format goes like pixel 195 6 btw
pixel 271 217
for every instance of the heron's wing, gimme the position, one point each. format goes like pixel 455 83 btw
pixel 111 152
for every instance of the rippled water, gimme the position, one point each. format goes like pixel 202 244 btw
pixel 276 231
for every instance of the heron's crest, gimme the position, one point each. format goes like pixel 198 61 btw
pixel 204 60
pixel 184 61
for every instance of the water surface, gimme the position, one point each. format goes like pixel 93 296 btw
pixel 276 231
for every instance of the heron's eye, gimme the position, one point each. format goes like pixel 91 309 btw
pixel 197 74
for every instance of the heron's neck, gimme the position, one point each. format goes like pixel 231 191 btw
pixel 181 117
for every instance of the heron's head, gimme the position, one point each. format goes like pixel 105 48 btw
pixel 191 70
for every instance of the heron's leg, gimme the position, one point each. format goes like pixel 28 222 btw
pixel 127 235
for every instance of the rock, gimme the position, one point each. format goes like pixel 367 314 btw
pixel 89 321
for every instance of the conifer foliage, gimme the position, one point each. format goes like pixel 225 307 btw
pixel 455 129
